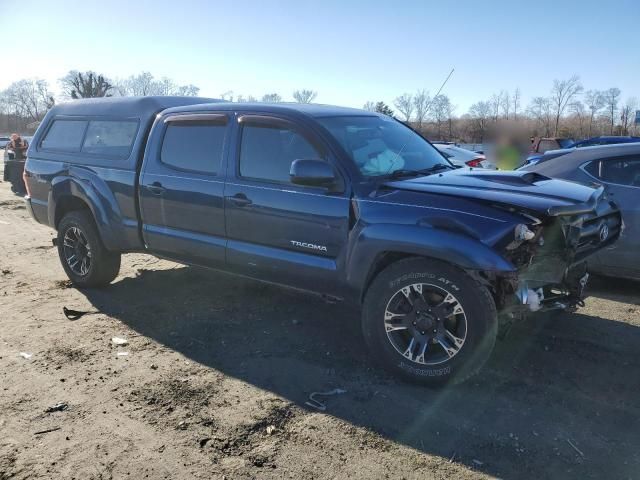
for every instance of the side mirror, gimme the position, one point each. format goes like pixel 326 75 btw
pixel 313 173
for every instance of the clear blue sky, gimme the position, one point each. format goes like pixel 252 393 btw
pixel 348 51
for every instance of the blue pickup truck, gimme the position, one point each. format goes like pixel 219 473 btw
pixel 349 204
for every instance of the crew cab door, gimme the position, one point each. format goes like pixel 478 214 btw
pixel 182 186
pixel 278 231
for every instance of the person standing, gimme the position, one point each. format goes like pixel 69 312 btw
pixel 16 151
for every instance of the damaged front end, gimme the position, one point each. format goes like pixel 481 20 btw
pixel 550 255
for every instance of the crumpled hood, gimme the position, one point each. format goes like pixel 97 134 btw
pixel 528 190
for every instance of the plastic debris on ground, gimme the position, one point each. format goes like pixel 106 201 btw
pixel 318 405
pixel 58 407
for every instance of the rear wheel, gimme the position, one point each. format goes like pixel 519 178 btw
pixel 84 258
pixel 429 322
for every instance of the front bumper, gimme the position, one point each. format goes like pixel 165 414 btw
pixel 555 276
pixel 567 296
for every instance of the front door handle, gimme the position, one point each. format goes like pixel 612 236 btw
pixel 156 188
pixel 240 200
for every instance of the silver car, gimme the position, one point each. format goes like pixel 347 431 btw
pixel 617 168
pixel 463 157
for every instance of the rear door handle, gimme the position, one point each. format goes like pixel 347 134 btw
pixel 156 188
pixel 240 200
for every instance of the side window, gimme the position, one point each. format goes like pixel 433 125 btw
pixel 547 145
pixel 593 168
pixel 110 137
pixel 64 135
pixel 195 146
pixel 267 151
pixel 622 171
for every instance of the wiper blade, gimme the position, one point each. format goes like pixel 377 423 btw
pixel 404 173
pixel 436 167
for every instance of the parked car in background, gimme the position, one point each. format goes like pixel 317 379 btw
pixel 4 141
pixel 617 168
pixel 462 157
pixel 539 146
pixel 589 142
pixel 474 147
pixel 604 140
pixel 345 203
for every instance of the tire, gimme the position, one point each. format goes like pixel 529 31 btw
pixel 102 265
pixel 450 301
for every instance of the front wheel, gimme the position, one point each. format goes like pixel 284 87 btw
pixel 84 258
pixel 429 321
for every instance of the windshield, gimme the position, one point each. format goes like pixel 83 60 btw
pixel 565 142
pixel 381 146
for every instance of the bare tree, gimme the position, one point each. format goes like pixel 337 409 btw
pixel 611 98
pixel 247 99
pixel 562 94
pixel 421 101
pixel 627 114
pixel 369 106
pixel 541 110
pixel 187 90
pixel 29 98
pixel 144 84
pixel 506 104
pixel 404 104
pixel 271 98
pixel 85 85
pixel 304 96
pixel 579 112
pixel 516 103
pixel 495 101
pixel 480 113
pixel 594 101
pixel 441 110
pixel 167 87
pixel 227 96
pixel 140 85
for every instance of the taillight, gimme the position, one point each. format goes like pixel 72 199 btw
pixel 476 162
pixel 24 180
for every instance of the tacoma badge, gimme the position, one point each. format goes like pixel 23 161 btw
pixel 311 246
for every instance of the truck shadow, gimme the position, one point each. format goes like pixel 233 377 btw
pixel 558 397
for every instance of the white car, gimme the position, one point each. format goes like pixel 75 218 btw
pixel 463 157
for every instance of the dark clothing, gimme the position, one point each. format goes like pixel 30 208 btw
pixel 19 148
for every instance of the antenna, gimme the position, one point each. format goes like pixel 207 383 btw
pixel 441 87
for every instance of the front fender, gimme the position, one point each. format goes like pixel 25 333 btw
pixel 98 197
pixel 451 247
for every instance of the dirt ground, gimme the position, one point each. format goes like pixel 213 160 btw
pixel 219 369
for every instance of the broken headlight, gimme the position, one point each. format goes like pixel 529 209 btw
pixel 522 233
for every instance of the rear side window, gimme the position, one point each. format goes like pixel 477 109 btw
pixel 267 151
pixel 546 145
pixel 110 137
pixel 65 135
pixel 621 171
pixel 195 146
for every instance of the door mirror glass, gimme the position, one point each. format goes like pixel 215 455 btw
pixel 313 173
